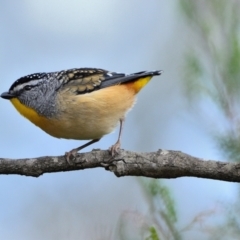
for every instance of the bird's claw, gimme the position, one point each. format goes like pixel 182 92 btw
pixel 70 156
pixel 114 149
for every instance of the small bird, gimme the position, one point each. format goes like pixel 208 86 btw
pixel 79 103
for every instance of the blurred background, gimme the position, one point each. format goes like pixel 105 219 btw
pixel 193 107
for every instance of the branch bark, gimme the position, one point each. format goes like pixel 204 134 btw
pixel 160 164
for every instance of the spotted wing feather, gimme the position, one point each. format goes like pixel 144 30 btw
pixel 82 80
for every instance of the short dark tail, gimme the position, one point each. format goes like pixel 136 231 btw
pixel 125 78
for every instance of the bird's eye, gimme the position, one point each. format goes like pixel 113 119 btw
pixel 27 87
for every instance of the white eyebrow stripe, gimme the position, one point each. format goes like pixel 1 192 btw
pixel 32 83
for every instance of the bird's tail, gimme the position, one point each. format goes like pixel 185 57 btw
pixel 140 79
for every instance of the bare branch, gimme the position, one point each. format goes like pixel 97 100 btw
pixel 160 164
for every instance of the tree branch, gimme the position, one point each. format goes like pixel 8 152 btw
pixel 160 164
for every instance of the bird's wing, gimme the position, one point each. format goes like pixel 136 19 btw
pixel 82 80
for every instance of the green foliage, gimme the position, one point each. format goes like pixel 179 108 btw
pixel 162 193
pixel 212 67
pixel 230 146
pixel 160 223
pixel 153 234
pixel 212 73
pixel 162 209
pixel 161 220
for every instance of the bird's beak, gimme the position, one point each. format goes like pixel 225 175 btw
pixel 7 95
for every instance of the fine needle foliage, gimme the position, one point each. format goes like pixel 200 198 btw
pixel 212 82
pixel 162 211
pixel 160 220
pixel 212 68
pixel 153 234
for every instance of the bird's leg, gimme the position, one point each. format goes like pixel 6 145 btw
pixel 74 151
pixel 114 148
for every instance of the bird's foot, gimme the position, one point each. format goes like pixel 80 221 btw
pixel 70 156
pixel 114 149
